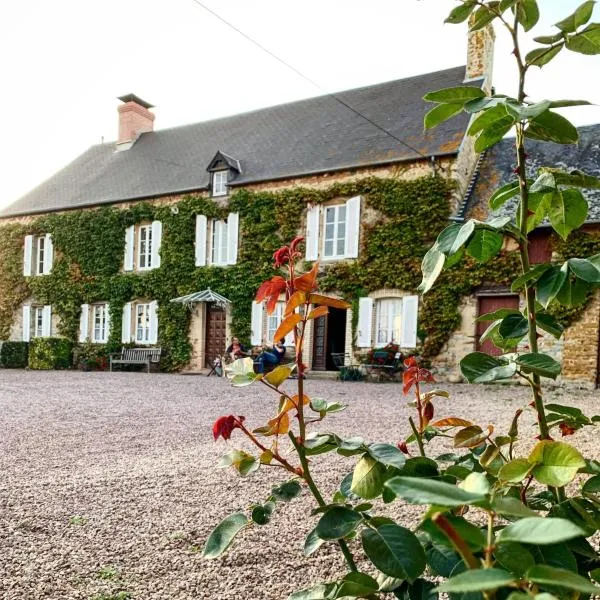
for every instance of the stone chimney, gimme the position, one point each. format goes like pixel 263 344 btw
pixel 134 119
pixel 480 55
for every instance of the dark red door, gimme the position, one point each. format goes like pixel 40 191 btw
pixel 488 304
pixel 216 339
pixel 319 358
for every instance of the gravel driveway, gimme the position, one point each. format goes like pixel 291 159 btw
pixel 108 482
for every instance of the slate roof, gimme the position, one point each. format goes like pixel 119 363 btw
pixel 289 140
pixel 499 162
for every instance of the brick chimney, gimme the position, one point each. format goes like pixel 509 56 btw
pixel 480 55
pixel 134 119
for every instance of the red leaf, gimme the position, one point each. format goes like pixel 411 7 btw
pixel 224 426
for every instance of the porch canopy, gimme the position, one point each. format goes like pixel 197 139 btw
pixel 204 296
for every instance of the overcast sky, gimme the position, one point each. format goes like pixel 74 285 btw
pixel 64 62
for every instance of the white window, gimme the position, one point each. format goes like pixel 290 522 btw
pixel 37 328
pixel 100 323
pixel 38 255
pixel 145 247
pixel 334 238
pixel 37 321
pixel 142 323
pixel 219 183
pixel 274 320
pixel 218 254
pixel 40 242
pixel 388 319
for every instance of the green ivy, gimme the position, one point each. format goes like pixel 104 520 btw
pixel 400 221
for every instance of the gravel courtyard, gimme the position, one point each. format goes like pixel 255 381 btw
pixel 109 482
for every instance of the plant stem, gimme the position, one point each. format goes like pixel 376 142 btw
pixel 417 436
pixel 318 497
pixel 459 544
pixel 490 541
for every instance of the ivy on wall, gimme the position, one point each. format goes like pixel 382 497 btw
pixel 401 220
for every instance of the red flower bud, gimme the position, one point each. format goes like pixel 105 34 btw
pixel 566 429
pixel 403 447
pixel 428 412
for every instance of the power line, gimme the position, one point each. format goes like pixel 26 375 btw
pixel 306 78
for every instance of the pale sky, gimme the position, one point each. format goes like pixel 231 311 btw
pixel 64 62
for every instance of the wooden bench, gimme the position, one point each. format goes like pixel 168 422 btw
pixel 136 356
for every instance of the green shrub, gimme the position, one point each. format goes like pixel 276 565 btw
pixel 50 353
pixel 14 355
pixel 90 357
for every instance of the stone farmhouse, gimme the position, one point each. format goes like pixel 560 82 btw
pixel 100 249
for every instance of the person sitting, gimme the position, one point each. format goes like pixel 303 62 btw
pixel 270 358
pixel 236 349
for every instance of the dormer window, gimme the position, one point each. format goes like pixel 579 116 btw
pixel 219 183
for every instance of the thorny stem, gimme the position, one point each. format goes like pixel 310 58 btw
pixel 417 436
pixel 459 544
pixel 317 495
pixel 490 541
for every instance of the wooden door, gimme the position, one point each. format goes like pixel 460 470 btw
pixel 319 357
pixel 216 338
pixel 488 304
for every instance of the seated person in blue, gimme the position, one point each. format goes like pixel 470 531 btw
pixel 271 357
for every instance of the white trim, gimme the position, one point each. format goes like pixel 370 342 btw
pixel 365 319
pixel 388 320
pixel 84 333
pixel 48 254
pixel 312 232
pixel 233 222
pixel 47 321
pixel 156 242
pixel 148 252
pixel 201 229
pixel 102 310
pixel 337 237
pixel 27 256
pixel 153 327
pixel 218 243
pixel 352 227
pixel 126 323
pixel 256 323
pixel 410 315
pixel 129 241
pixel 26 336
pixel 219 183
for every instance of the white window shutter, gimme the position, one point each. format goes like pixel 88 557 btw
pixel 201 227
pixel 48 254
pixel 27 256
pixel 126 323
pixel 129 238
pixel 156 241
pixel 312 232
pixel 26 323
pixel 256 323
pixel 233 221
pixel 84 321
pixel 107 328
pixel 365 320
pixel 353 227
pixel 47 321
pixel 410 312
pixel 153 334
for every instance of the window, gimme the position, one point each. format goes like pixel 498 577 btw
pixel 40 243
pixel 219 243
pixel 219 183
pixel 145 247
pixel 100 323
pixel 37 329
pixel 334 240
pixel 273 321
pixel 142 323
pixel 388 318
pixel 38 255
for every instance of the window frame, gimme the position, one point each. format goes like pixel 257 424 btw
pixel 40 254
pixel 275 317
pixel 390 317
pixel 145 328
pixel 219 242
pixel 220 181
pixel 147 229
pixel 336 239
pixel 100 309
pixel 37 321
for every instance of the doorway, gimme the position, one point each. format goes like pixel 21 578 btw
pixel 488 304
pixel 329 336
pixel 216 333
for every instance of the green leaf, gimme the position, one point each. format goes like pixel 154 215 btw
pixel 476 483
pixel 420 466
pixel 567 210
pixel 432 265
pixel 463 235
pixel 575 178
pixel 505 505
pixel 244 463
pixel 501 313
pixel 542 56
pixel 470 437
pixel 584 269
pixel 549 39
pixel 312 543
pixel 558 555
pixel 572 293
pixel 356 585
pixel 513 326
pixel 485 244
pixel 514 557
pixel 586 41
pixel 529 278
pixel 492 123
pixel 460 13
pixel 477 580
pixel 323 591
pixel 222 535
pixel 387 454
pixel 492 135
pixel 261 513
pixel 446 238
pixel 515 470
pixel 478 367
pixel 416 490
pixel 503 194
pixel 556 463
pixel 394 550
pixel 440 113
pixel 287 491
pixel 455 95
pixel 540 364
pixel 552 127
pixel 442 559
pixel 528 13
pixel 548 323
pixel 539 530
pixel 367 479
pixel 337 522
pixel 482 17
pixel 549 285
pixel 551 576
pixel 582 14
